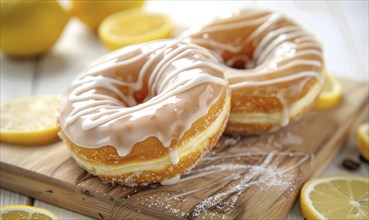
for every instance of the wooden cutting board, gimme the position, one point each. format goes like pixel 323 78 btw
pixel 254 177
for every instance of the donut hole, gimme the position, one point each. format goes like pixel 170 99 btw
pixel 239 64
pixel 242 49
pixel 239 61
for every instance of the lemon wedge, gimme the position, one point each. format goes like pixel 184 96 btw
pixel 362 137
pixel 331 94
pixel 30 120
pixel 133 26
pixel 336 197
pixel 14 212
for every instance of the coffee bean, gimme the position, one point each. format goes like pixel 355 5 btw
pixel 350 164
pixel 363 159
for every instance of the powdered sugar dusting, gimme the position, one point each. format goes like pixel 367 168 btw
pixel 290 139
pixel 156 202
pixel 231 141
pixel 233 175
pixel 264 175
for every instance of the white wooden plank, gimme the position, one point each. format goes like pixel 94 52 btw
pixel 11 198
pixel 350 28
pixel 16 77
pixel 295 213
pixel 349 151
pixel 188 13
pixel 356 14
pixel 76 48
pixel 322 19
pixel 61 213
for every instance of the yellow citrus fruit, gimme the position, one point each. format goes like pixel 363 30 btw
pixel 134 26
pixel 331 94
pixel 92 13
pixel 336 197
pixel 362 137
pixel 30 120
pixel 30 28
pixel 18 212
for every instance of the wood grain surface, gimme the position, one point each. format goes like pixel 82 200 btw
pixel 253 177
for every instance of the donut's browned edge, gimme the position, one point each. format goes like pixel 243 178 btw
pixel 247 104
pixel 152 148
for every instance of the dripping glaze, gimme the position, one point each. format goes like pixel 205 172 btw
pixel 111 104
pixel 272 48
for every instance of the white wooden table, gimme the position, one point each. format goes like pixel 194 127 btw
pixel 342 27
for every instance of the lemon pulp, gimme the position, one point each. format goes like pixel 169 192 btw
pixel 14 212
pixel 133 26
pixel 336 197
pixel 30 120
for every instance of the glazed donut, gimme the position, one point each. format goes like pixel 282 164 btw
pixel 274 67
pixel 145 113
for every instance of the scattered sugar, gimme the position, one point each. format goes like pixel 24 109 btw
pixel 157 202
pixel 290 139
pixel 265 176
pixel 171 181
pixel 231 141
pixel 241 178
pixel 130 179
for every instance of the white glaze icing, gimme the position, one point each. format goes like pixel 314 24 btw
pixel 173 155
pixel 171 181
pixel 272 48
pixel 193 144
pixel 156 89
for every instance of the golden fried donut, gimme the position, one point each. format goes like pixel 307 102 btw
pixel 274 67
pixel 145 113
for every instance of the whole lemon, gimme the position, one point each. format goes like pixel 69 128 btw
pixel 30 28
pixel 92 13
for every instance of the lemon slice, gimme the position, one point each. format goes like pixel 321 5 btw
pixel 331 94
pixel 15 212
pixel 134 26
pixel 363 140
pixel 336 197
pixel 30 120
